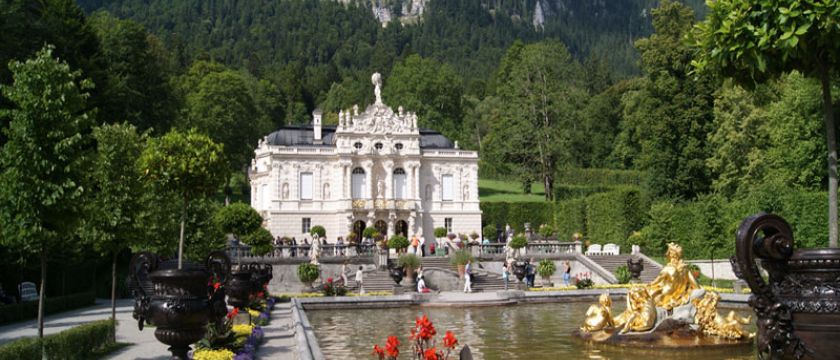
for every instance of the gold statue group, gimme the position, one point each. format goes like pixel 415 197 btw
pixel 674 294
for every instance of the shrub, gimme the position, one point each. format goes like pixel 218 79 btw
pixel 546 231
pixel 318 231
pixel 611 217
pixel 260 241
pixel 75 343
pixel 52 305
pixel 409 261
pixel 517 213
pixel 622 274
pixel 307 273
pixel 546 268
pixel 584 283
pixel 351 238
pixel 369 232
pixel 567 192
pixel 474 236
pixel 570 218
pixel 489 232
pixel 440 232
pixel 461 257
pixel 238 219
pixel 519 241
pixel 604 177
pixel 398 242
pixel 330 288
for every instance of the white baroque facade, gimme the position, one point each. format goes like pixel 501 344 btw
pixel 376 168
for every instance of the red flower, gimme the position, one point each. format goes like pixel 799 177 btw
pixel 449 340
pixel 425 330
pixel 431 354
pixel 233 313
pixel 392 346
pixel 260 294
pixel 378 351
pixel 329 280
pixel 217 285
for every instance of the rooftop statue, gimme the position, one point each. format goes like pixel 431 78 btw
pixel 671 311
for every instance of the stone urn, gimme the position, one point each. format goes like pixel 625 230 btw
pixel 396 274
pixel 178 302
pixel 239 288
pixel 635 267
pixel 520 269
pixel 798 307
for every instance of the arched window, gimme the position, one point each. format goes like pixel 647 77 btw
pixel 358 145
pixel 378 146
pixel 398 146
pixel 359 183
pixel 399 183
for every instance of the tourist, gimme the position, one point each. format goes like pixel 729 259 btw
pixel 359 280
pixel 420 271
pixel 506 273
pixel 294 247
pixel 422 245
pixel 486 241
pixel 467 277
pixel 531 273
pixel 344 273
pixel 567 273
pixel 421 285
pixel 340 246
pixel 415 243
pixel 432 248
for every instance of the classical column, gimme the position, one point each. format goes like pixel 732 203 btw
pixel 367 165
pixel 389 179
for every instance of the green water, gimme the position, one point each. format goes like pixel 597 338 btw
pixel 533 332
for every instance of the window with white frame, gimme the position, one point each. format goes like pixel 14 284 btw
pixel 305 225
pixel 359 183
pixel 399 183
pixel 447 187
pixel 447 223
pixel 306 186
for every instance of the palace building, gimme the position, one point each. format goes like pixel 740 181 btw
pixel 375 168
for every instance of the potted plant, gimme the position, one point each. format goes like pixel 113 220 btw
pixel 190 166
pixel 489 232
pixel 398 243
pixel 518 242
pixel 352 239
pixel 460 258
pixel 369 232
pixel 546 231
pixel 474 236
pixel 409 262
pixel 622 274
pixel 318 232
pixel 308 273
pixel 545 269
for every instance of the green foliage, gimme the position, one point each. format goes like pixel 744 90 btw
pixel 397 242
pixel 546 268
pixel 409 261
pixel 519 241
pixel 307 273
pixel 238 219
pixel 611 217
pixel 259 241
pixel 546 230
pixel 517 213
pixel 461 257
pixel 75 343
pixel 318 231
pixel 369 232
pixel 29 310
pixel 599 177
pixel 490 190
pixel 570 218
pixel 161 226
pixel 622 274
pixel 440 232
pixel 330 288
pixel 584 283
pixel 489 232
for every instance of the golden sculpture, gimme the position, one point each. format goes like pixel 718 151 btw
pixel 674 284
pixel 599 316
pixel 640 314
pixel 669 296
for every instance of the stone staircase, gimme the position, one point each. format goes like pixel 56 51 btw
pixel 482 280
pixel 612 262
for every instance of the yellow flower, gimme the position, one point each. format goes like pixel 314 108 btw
pixel 242 330
pixel 207 354
pixel 254 314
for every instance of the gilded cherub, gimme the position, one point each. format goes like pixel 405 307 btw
pixel 640 314
pixel 713 324
pixel 599 316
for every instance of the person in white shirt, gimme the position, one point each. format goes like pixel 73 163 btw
pixel 421 285
pixel 468 277
pixel 344 274
pixel 359 280
pixel 422 245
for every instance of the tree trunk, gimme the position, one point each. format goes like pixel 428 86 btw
pixel 42 294
pixel 831 136
pixel 227 191
pixel 181 240
pixel 548 186
pixel 114 295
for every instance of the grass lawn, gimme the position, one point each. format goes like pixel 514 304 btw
pixel 508 191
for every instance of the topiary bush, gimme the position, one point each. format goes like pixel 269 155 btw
pixel 546 231
pixel 622 274
pixel 546 268
pixel 369 232
pixel 79 342
pixel 489 232
pixel 518 213
pixel 398 242
pixel 409 261
pixel 29 310
pixel 461 257
pixel 259 241
pixel 440 232
pixel 238 219
pixel 307 273
pixel 318 231
pixel 519 241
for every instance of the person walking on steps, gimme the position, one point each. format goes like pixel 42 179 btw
pixel 468 277
pixel 359 280
pixel 567 273
pixel 506 274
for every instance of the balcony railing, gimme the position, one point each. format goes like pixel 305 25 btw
pixel 243 252
pixel 546 249
pixel 382 204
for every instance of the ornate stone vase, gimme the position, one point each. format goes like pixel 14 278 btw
pixel 520 269
pixel 396 274
pixel 178 302
pixel 798 307
pixel 635 267
pixel 239 288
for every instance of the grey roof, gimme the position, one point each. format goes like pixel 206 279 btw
pixel 302 135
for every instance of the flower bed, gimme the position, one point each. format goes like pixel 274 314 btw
pixel 423 345
pixel 228 341
pixel 287 296
pixel 627 286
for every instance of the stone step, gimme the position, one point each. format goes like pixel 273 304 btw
pixel 612 262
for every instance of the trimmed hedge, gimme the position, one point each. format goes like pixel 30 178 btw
pixel 611 217
pixel 517 214
pixel 570 218
pixel 52 305
pixel 565 192
pixel 75 343
pixel 603 177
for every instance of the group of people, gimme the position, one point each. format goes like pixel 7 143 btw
pixel 531 272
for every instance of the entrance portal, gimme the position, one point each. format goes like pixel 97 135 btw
pixel 358 229
pixel 381 227
pixel 401 228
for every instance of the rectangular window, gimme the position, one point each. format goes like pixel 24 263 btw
pixel 447 185
pixel 306 186
pixel 447 223
pixel 306 224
